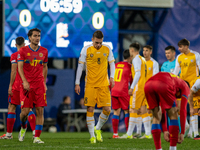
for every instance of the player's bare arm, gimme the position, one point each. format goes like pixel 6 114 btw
pixel 12 77
pixel 45 70
pixel 21 73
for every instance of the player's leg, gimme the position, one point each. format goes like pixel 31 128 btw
pixel 23 121
pixel 32 121
pixel 90 102
pixel 104 101
pixel 115 122
pixel 138 126
pixel 156 129
pixel 190 130
pixel 115 117
pixel 194 119
pixel 147 122
pixel 10 121
pixel 126 119
pixel 173 127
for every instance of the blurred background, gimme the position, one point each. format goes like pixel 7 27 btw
pixel 68 25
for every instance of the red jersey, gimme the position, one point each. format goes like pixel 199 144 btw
pixel 122 79
pixel 33 64
pixel 18 81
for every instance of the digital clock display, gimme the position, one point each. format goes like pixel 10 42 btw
pixel 66 25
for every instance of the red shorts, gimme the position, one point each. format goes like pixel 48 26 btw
pixel 36 96
pixel 120 102
pixel 15 98
pixel 159 94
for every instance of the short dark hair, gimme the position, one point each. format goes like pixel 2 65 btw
pixel 136 46
pixel 65 97
pixel 126 54
pixel 149 47
pixel 98 34
pixel 184 42
pixel 30 32
pixel 170 47
pixel 19 40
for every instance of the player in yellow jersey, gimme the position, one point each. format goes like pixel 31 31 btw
pixel 189 64
pixel 137 88
pixel 96 57
pixel 152 69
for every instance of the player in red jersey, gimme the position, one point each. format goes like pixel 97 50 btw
pixel 161 92
pixel 119 93
pixel 14 94
pixel 32 67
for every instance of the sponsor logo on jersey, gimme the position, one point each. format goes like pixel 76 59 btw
pixel 40 54
pixel 18 56
pixel 98 52
pixel 91 55
pixel 28 54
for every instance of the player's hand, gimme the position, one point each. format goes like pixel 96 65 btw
pixel 180 138
pixel 191 110
pixel 130 92
pixel 166 136
pixel 10 91
pixel 77 89
pixel 112 82
pixel 26 85
pixel 46 87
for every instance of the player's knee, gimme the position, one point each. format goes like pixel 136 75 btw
pixel 106 111
pixel 11 108
pixel 39 111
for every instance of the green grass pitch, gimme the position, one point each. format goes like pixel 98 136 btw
pixel 80 141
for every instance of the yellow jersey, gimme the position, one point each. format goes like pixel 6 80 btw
pixel 189 65
pixel 139 64
pixel 152 68
pixel 96 62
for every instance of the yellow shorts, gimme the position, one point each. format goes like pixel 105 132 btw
pixel 178 99
pixel 137 99
pixel 145 103
pixel 196 100
pixel 97 95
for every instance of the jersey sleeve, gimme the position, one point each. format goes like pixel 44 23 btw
pixel 82 58
pixel 13 59
pixel 197 60
pixel 177 67
pixel 110 56
pixel 46 57
pixel 21 55
pixel 196 86
pixel 155 67
pixel 137 64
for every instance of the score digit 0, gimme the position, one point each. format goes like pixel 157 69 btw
pixel 25 17
pixel 98 20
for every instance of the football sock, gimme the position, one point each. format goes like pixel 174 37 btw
pixel 126 120
pixel 156 132
pixel 139 124
pixel 190 130
pixel 132 123
pixel 90 123
pixel 115 123
pixel 10 122
pixel 31 120
pixel 38 130
pixel 24 124
pixel 147 123
pixel 196 132
pixel 174 131
pixel 102 119
pixel 172 148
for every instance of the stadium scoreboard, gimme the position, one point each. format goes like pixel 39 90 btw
pixel 66 25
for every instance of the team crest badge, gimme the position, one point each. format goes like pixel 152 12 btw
pixel 149 68
pixel 91 55
pixel 192 60
pixel 104 54
pixel 28 54
pixel 40 54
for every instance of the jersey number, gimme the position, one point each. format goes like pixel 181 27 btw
pixel 118 75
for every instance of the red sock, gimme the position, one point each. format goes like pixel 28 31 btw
pixel 38 130
pixel 126 120
pixel 156 132
pixel 115 123
pixel 10 121
pixel 173 130
pixel 31 120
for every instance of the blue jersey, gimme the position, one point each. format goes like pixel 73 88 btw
pixel 168 66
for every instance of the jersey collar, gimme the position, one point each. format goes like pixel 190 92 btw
pixel 32 49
